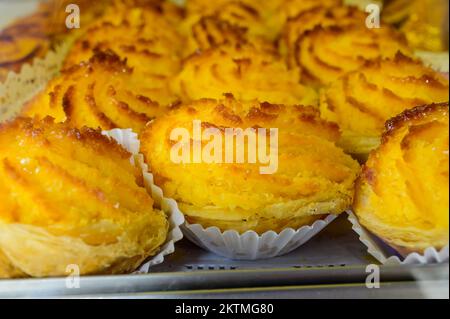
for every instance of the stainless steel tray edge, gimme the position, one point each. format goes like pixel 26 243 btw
pixel 103 286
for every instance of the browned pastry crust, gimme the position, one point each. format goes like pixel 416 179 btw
pixel 103 92
pixel 326 53
pixel 145 36
pixel 244 71
pixel 230 22
pixel 402 195
pixel 211 31
pixel 33 36
pixel 71 197
pixel 360 102
pixel 320 15
pixel 314 177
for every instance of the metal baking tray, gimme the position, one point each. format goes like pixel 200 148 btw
pixel 333 264
pixel 337 245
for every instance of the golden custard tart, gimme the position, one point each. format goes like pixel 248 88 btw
pixel 292 8
pixel 319 15
pixel 302 177
pixel 211 31
pixel 207 6
pixel 244 14
pixel 71 197
pixel 422 21
pixel 259 20
pixel 32 36
pixel 256 17
pixel 143 36
pixel 14 52
pixel 103 92
pixel 403 193
pixel 326 53
pixel 284 10
pixel 243 71
pixel 360 102
pixel 215 23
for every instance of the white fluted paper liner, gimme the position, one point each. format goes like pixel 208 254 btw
pixel 130 141
pixel 435 60
pixel 387 256
pixel 20 87
pixel 250 245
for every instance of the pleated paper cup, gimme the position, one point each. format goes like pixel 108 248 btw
pixel 250 245
pixel 19 88
pixel 387 255
pixel 129 140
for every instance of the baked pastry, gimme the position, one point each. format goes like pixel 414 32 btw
pixel 362 101
pixel 131 10
pixel 34 35
pixel 424 22
pixel 143 36
pixel 212 31
pixel 271 14
pixel 322 14
pixel 244 71
pixel 213 23
pixel 325 53
pixel 397 11
pixel 103 92
pixel 14 51
pixel 403 193
pixel 207 7
pixel 313 178
pixel 293 8
pixel 71 197
pixel 252 7
pixel 250 15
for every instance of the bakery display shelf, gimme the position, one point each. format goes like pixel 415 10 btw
pixel 437 289
pixel 333 263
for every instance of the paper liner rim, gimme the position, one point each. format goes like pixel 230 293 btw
pixel 430 256
pixel 167 205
